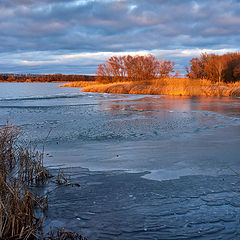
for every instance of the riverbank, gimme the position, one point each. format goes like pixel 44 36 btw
pixel 171 86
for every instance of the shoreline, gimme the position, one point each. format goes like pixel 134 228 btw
pixel 168 87
pixel 172 87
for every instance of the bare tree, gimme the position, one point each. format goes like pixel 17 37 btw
pixel 134 68
pixel 217 68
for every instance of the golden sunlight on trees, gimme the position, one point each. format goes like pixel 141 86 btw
pixel 207 75
pixel 217 68
pixel 134 68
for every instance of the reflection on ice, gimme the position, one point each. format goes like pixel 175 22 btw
pixel 225 106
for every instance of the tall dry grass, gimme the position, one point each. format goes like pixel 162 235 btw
pixel 20 167
pixel 79 84
pixel 170 86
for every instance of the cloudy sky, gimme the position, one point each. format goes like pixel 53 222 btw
pixel 74 36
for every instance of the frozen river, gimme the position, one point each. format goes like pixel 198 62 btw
pixel 150 167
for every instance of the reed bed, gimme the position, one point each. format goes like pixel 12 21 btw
pixel 79 84
pixel 21 169
pixel 170 86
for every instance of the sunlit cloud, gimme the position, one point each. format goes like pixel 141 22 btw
pixel 37 63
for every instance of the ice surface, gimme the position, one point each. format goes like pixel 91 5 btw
pixel 150 167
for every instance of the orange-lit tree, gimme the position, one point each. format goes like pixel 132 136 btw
pixel 134 68
pixel 217 68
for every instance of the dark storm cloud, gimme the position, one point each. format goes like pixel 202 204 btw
pixel 48 30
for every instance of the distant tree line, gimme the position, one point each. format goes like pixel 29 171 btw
pixel 217 68
pixel 134 68
pixel 45 78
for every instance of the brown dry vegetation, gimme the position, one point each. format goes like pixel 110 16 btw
pixel 209 75
pixel 79 84
pixel 61 234
pixel 170 86
pixel 21 168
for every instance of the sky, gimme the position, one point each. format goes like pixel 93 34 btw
pixel 74 36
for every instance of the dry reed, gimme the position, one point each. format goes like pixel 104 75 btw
pixel 170 86
pixel 61 234
pixel 21 167
pixel 79 84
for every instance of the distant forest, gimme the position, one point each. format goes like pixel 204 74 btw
pixel 44 78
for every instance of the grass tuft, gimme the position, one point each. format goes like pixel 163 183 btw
pixel 61 234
